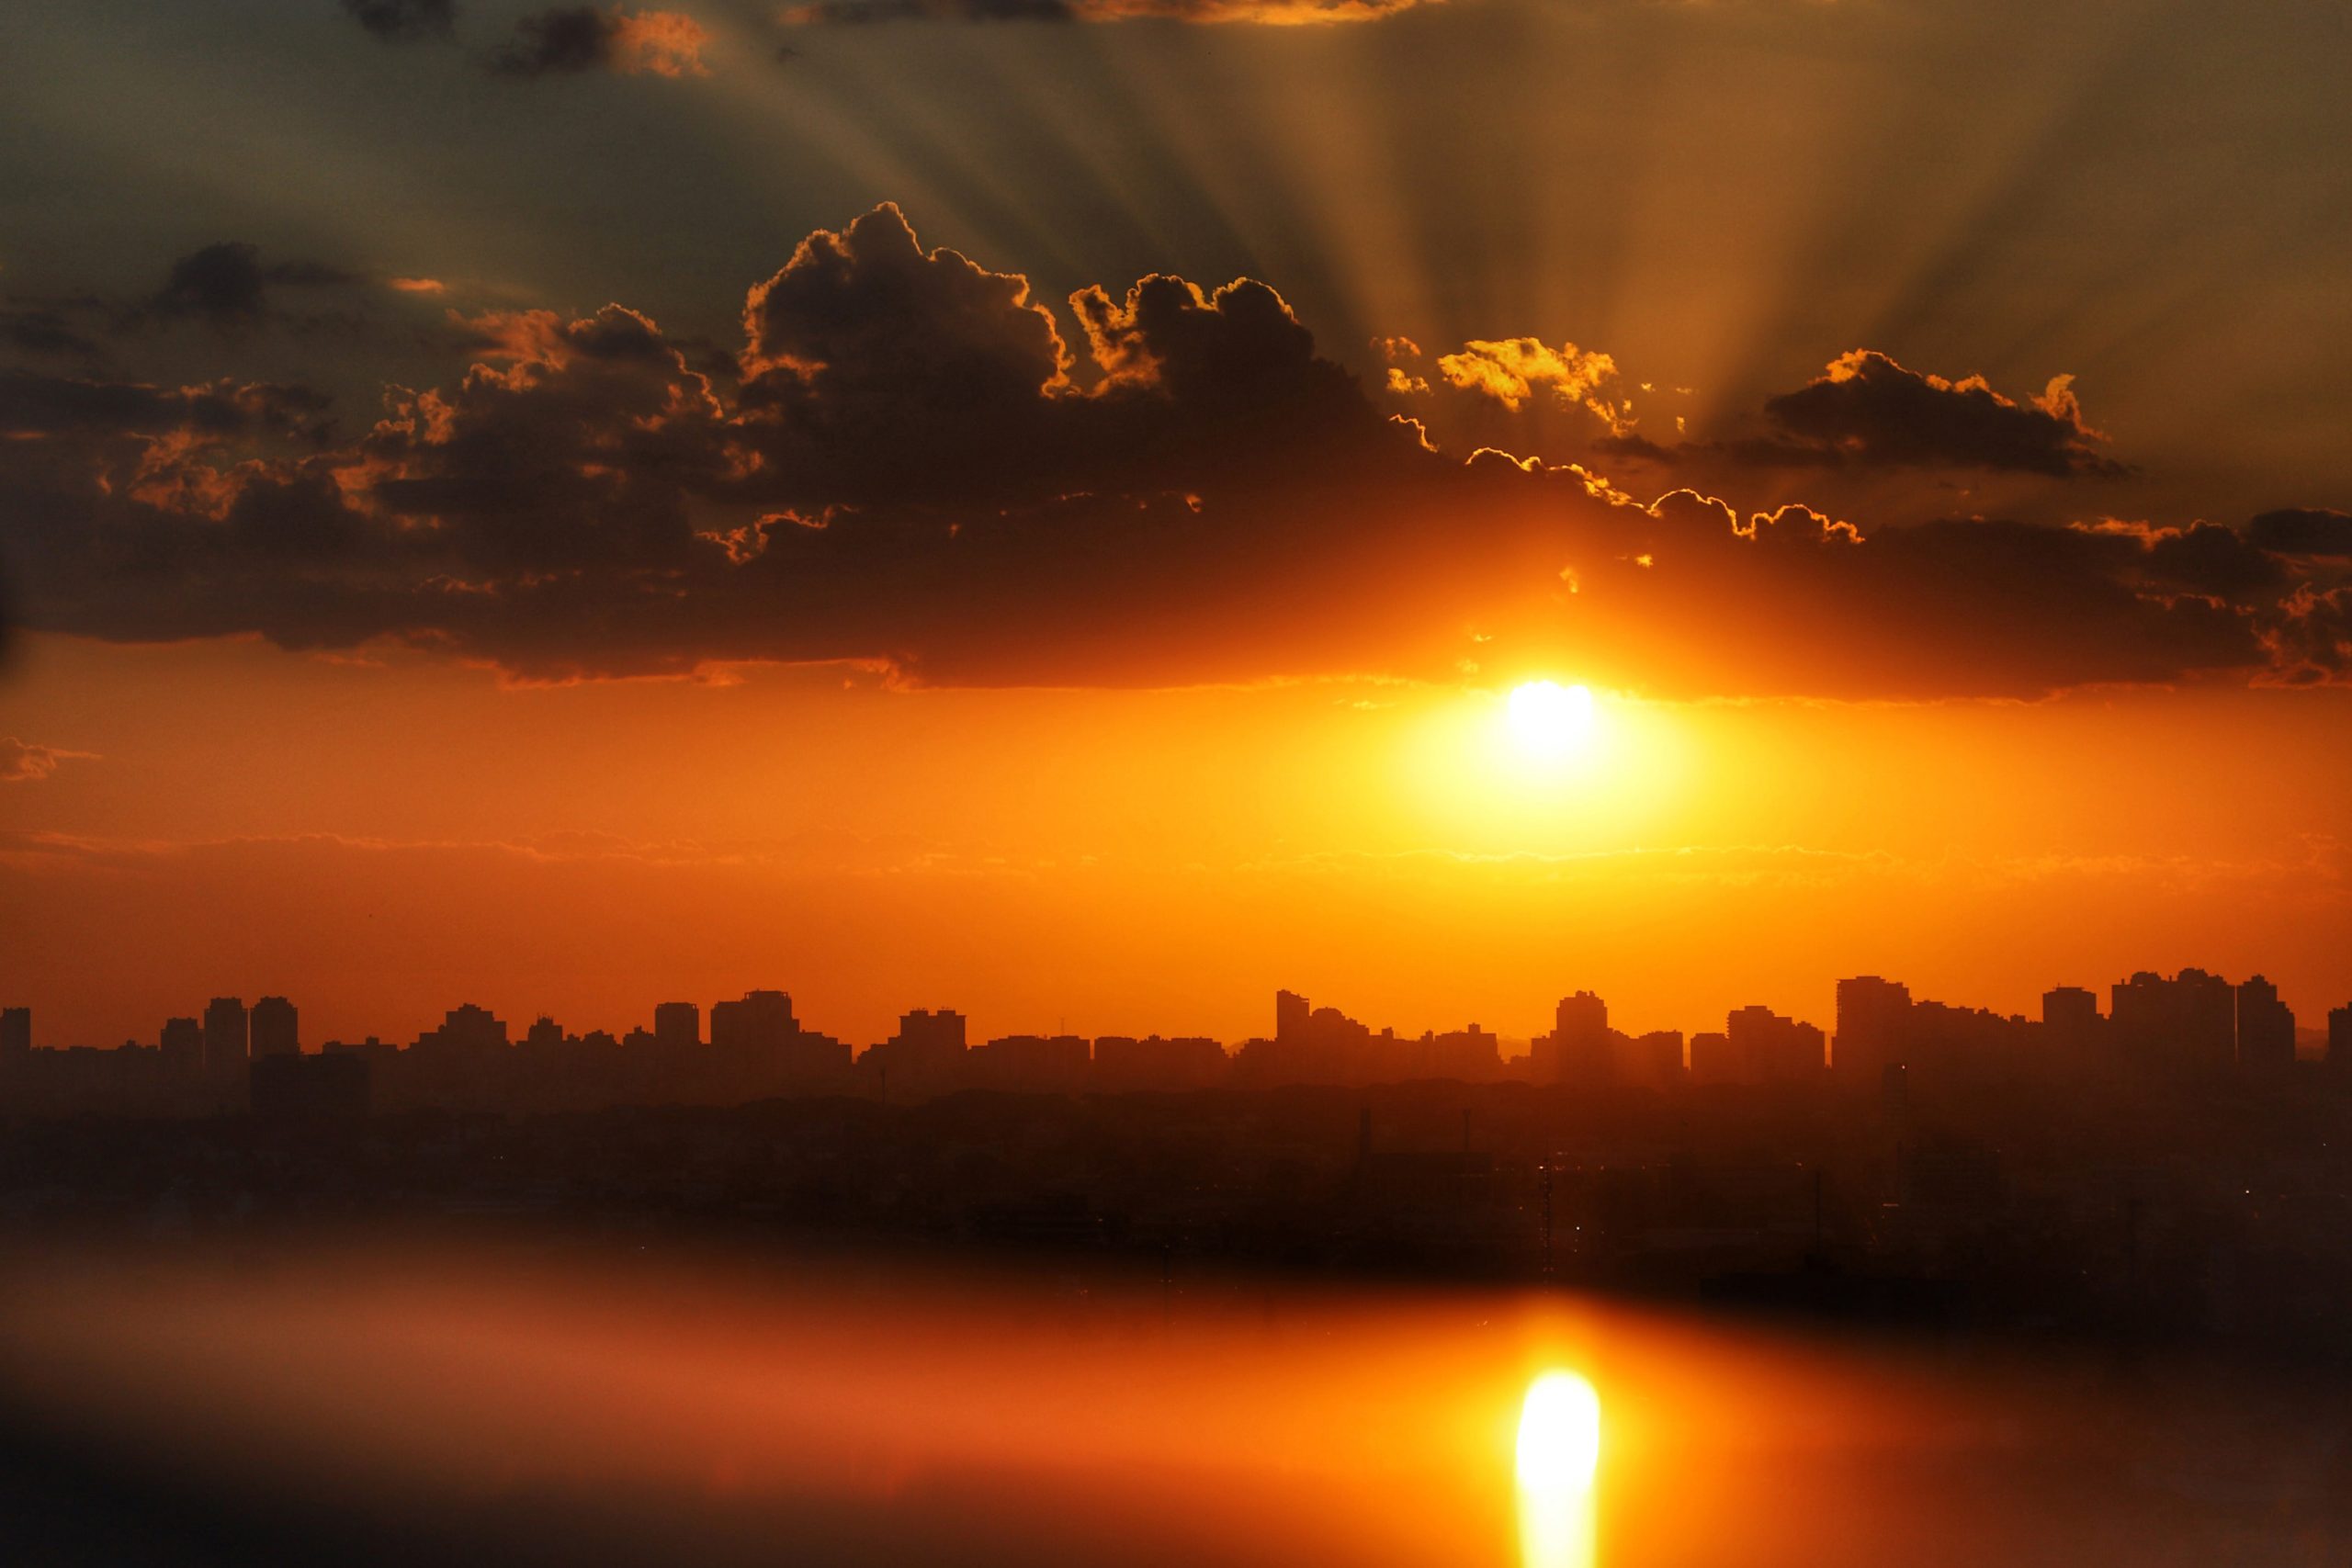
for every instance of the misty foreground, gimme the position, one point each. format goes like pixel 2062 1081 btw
pixel 1229 1326
pixel 2214 1214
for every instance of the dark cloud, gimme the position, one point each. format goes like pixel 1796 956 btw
pixel 1867 409
pixel 1633 447
pixel 228 286
pixel 2215 562
pixel 858 13
pixel 2303 531
pixel 1792 603
pixel 854 13
pixel 45 334
pixel 563 41
pixel 570 40
pixel 33 405
pixel 401 21
pixel 914 461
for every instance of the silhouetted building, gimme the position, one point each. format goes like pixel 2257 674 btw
pixel 289 1085
pixel 1944 1044
pixel 2184 1025
pixel 182 1045
pixel 1648 1061
pixel 2071 1008
pixel 1032 1064
pixel 1768 1048
pixel 2266 1027
pixel 1873 1017
pixel 465 1030
pixel 1124 1065
pixel 275 1027
pixel 1712 1061
pixel 677 1026
pixel 225 1038
pixel 2339 1038
pixel 1577 1050
pixel 1317 1045
pixel 382 1053
pixel 1462 1055
pixel 2070 1028
pixel 925 1057
pixel 761 1020
pixel 1581 1017
pixel 938 1034
pixel 15 1032
pixel 1291 1012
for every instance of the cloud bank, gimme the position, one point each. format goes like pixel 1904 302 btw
pixel 1263 13
pixel 571 40
pixel 402 21
pixel 914 462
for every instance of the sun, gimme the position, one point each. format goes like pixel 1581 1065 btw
pixel 1551 720
pixel 1559 1435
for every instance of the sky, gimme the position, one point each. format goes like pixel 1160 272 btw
pixel 1039 506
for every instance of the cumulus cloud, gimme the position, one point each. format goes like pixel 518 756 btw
pixel 914 461
pixel 573 40
pixel 876 370
pixel 1264 13
pixel 1867 409
pixel 401 21
pixel 1520 394
pixel 1515 371
pixel 21 761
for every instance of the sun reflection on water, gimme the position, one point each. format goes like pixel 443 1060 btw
pixel 1559 1453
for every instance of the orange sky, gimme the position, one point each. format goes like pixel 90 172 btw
pixel 383 841
pixel 1041 517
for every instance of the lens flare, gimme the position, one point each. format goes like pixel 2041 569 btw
pixel 1551 720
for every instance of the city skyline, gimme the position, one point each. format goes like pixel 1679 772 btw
pixel 2204 1018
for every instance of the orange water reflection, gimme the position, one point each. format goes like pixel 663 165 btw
pixel 1557 1463
pixel 709 1410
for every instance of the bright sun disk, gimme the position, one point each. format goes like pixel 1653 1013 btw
pixel 1549 720
pixel 1559 1435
